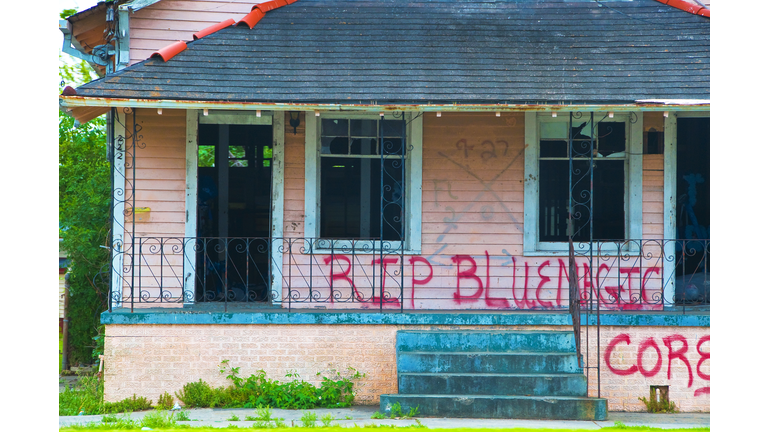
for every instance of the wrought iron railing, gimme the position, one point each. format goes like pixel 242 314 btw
pixel 300 273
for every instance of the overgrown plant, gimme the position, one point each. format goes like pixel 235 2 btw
pixel 84 205
pixel 659 406
pixel 88 398
pixel 258 390
pixel 164 402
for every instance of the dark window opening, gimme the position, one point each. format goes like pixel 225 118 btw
pixel 234 201
pixel 357 199
pixel 607 200
pixel 693 267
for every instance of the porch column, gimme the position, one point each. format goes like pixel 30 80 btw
pixel 277 206
pixel 190 203
pixel 118 206
pixel 670 206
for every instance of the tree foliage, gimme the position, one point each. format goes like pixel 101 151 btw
pixel 84 204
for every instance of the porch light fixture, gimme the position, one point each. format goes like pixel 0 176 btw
pixel 205 111
pixel 439 113
pixel 258 113
pixel 554 114
pixel 317 113
pixel 666 114
pixel 294 120
pixel 381 114
pixel 610 114
pixel 159 111
pixel 498 113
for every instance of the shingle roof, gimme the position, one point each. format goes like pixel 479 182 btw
pixel 438 51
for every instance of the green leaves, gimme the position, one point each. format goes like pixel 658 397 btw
pixel 84 223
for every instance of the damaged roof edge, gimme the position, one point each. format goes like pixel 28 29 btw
pixel 74 102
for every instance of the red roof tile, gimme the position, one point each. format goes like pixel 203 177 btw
pixel 171 50
pixel 212 29
pixel 686 6
pixel 252 18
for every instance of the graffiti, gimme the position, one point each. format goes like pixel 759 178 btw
pixel 676 352
pixel 478 283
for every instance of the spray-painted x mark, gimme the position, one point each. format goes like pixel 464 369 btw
pixel 487 187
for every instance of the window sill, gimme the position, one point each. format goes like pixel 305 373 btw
pixel 561 249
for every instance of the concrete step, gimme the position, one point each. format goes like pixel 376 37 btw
pixel 492 384
pixel 497 406
pixel 485 341
pixel 488 362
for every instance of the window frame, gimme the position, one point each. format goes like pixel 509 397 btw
pixel 413 180
pixel 633 199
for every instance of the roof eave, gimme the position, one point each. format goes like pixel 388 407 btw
pixel 75 102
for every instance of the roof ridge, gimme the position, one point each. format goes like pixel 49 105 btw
pixel 683 5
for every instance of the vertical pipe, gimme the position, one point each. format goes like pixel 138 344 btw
pixel 111 159
pixel 381 214
pixel 133 208
pixel 65 327
pixel 403 201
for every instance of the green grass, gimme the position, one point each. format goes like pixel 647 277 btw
pixel 103 427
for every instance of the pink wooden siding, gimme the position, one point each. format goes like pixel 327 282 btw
pixel 293 216
pixel 472 198
pixel 169 21
pixel 653 183
pixel 159 160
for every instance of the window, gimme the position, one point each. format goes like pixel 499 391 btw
pixel 365 185
pixel 616 199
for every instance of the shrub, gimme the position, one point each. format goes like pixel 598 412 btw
pixel 165 401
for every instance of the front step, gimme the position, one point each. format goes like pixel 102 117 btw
pixel 493 384
pixel 488 362
pixel 496 406
pixel 492 374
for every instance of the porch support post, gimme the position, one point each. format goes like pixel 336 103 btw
pixel 278 195
pixel 635 187
pixel 118 207
pixel 190 204
pixel 670 207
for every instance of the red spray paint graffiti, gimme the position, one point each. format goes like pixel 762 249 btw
pixel 533 287
pixel 677 350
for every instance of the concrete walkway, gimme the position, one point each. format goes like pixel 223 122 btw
pixel 361 415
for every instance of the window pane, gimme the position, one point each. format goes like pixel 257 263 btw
pixel 363 146
pixel 392 128
pixel 206 156
pixel 364 128
pixel 334 145
pixel 340 186
pixel 612 138
pixel 352 195
pixel 393 146
pixel 554 148
pixel 335 127
pixel 555 130
pixel 267 152
pixel 607 200
pixel 553 200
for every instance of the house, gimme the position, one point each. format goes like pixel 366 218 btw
pixel 306 185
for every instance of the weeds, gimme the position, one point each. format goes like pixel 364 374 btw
pixel 308 419
pixel 164 402
pixel 327 419
pixel 234 418
pixel 654 406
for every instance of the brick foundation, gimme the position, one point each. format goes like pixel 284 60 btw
pixel 150 359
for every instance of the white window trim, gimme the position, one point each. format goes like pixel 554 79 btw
pixel 194 119
pixel 633 188
pixel 413 178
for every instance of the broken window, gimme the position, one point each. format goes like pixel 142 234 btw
pixel 608 142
